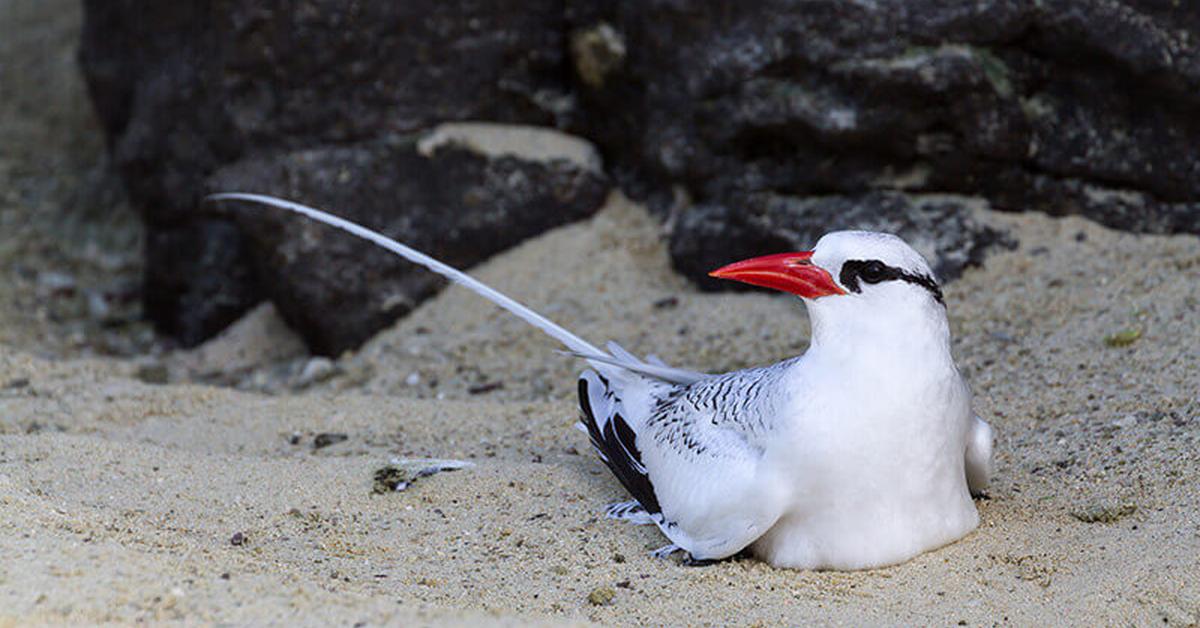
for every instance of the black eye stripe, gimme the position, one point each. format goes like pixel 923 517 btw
pixel 875 271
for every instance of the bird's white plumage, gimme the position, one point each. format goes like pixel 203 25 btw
pixel 860 453
pixel 863 452
pixel 835 248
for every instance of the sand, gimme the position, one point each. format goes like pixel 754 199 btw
pixel 204 499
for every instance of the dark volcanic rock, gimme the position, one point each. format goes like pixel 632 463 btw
pixel 199 279
pixel 755 125
pixel 461 193
pixel 1063 106
pixel 708 237
pixel 184 88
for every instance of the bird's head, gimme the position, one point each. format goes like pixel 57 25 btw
pixel 859 267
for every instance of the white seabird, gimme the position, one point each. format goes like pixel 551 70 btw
pixel 862 452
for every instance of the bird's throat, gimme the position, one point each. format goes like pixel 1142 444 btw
pixel 903 337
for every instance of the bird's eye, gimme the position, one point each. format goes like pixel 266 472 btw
pixel 873 271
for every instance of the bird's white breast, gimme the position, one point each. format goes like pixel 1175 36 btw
pixel 875 461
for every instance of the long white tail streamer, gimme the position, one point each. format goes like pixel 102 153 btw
pixel 575 345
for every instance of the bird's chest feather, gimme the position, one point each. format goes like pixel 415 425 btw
pixel 874 469
pixel 871 420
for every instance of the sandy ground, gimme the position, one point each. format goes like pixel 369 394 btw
pixel 124 500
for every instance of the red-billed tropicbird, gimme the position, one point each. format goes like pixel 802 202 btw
pixel 862 452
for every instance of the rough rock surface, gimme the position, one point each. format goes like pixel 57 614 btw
pixel 461 193
pixel 209 84
pixel 1060 106
pixel 750 125
pixel 709 236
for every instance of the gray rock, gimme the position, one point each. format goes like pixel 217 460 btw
pixel 939 227
pixel 153 373
pixel 316 370
pixel 1061 106
pixel 198 277
pixel 754 124
pixel 186 88
pixel 52 283
pixel 459 192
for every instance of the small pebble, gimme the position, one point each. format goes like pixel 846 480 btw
pixel 153 373
pixel 485 387
pixel 1123 338
pixel 237 539
pixel 601 596
pixel 1126 421
pixel 98 307
pixel 389 479
pixel 19 382
pixel 56 283
pixel 1104 513
pixel 317 369
pixel 1001 336
pixel 325 439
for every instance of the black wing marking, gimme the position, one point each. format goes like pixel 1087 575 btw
pixel 617 445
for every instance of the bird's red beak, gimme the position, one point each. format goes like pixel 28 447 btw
pixel 789 272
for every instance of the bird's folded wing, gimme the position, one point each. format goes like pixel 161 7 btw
pixel 648 432
pixel 614 439
pixel 710 414
pixel 691 454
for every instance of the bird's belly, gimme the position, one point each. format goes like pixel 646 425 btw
pixel 863 538
pixel 892 490
pixel 861 520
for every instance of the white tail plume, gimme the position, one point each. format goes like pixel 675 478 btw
pixel 575 345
